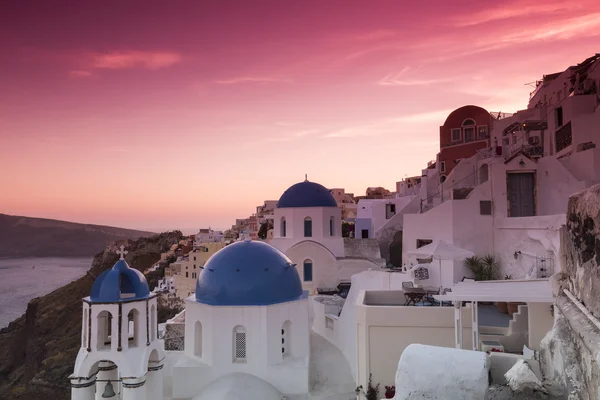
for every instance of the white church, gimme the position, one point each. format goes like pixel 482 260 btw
pixel 246 330
pixel 246 333
pixel 308 229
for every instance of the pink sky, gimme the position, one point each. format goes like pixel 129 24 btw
pixel 151 115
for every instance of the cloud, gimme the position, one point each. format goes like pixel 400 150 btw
pixel 517 10
pixel 134 59
pixel 235 81
pixel 292 136
pixel 396 79
pixel 80 74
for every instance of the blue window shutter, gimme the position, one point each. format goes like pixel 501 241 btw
pixel 331 227
pixel 283 228
pixel 307 271
pixel 307 228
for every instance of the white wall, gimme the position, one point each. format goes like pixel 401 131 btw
pixel 263 346
pixel 533 237
pixel 343 333
pixel 385 331
pixel 320 228
pixel 540 323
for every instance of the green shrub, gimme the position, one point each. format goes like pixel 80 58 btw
pixel 483 268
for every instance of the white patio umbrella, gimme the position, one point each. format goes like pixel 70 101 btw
pixel 441 250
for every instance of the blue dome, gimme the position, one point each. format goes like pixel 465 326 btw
pixel 120 283
pixel 248 273
pixel 306 194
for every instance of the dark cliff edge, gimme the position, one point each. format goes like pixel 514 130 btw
pixel 38 349
pixel 39 237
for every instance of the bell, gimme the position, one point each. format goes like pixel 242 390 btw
pixel 108 391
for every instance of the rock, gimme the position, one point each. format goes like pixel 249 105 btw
pixel 522 379
pixel 505 393
pixel 441 373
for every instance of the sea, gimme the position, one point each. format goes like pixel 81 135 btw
pixel 23 279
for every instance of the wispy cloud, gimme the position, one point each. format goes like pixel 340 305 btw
pixel 235 81
pixel 400 79
pixel 134 59
pixel 518 10
pixel 80 74
pixel 292 136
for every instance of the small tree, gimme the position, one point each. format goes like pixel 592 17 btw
pixel 347 227
pixel 372 391
pixel 264 229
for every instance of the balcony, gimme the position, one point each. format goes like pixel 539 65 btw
pixel 500 115
pixel 564 137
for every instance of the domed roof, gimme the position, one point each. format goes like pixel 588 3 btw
pixel 248 273
pixel 239 386
pixel 120 283
pixel 306 194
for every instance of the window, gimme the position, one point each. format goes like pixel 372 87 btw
pixel 423 242
pixel 443 166
pixel 364 233
pixel 186 274
pixel 331 226
pixel 456 135
pixel 286 345
pixel 198 339
pixel 104 324
pixel 308 271
pixel 307 227
pixel 485 207
pixel 194 258
pixel 153 326
pixel 283 227
pixel 559 117
pixel 482 132
pixel 469 134
pixel 134 328
pixel 469 130
pixel 239 344
pixel 390 210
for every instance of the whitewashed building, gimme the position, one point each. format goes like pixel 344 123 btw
pixel 308 229
pixel 120 357
pixel 249 316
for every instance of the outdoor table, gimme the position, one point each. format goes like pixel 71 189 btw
pixel 431 291
pixel 414 295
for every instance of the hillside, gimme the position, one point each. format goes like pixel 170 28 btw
pixel 39 237
pixel 38 350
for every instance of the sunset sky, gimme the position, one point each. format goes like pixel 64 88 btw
pixel 183 114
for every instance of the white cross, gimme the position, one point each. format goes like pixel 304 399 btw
pixel 122 252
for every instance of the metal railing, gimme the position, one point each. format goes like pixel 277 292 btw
pixel 564 137
pixel 500 115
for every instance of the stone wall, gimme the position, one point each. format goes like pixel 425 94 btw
pixel 582 248
pixel 174 336
pixel 570 352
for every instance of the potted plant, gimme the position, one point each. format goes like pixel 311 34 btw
pixel 372 391
pixel 390 392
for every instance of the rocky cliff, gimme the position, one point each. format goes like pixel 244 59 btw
pixel 570 353
pixel 38 350
pixel 39 237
